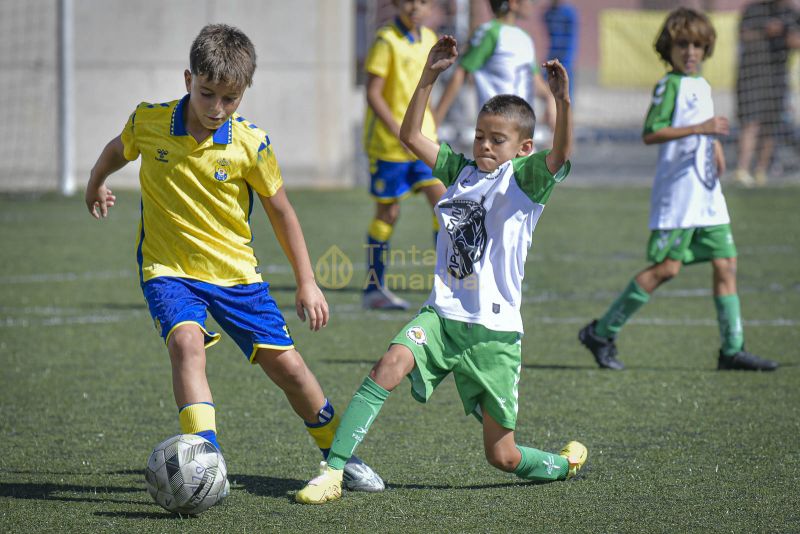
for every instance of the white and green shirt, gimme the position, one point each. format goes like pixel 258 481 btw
pixel 486 223
pixel 501 58
pixel 686 190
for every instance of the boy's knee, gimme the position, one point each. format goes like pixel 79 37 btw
pixel 668 270
pixel 289 367
pixel 388 213
pixel 186 337
pixel 392 367
pixel 503 460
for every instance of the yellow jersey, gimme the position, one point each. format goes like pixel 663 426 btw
pixel 398 58
pixel 197 197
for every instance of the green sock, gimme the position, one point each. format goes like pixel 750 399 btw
pixel 358 417
pixel 628 302
pixel 540 465
pixel 730 323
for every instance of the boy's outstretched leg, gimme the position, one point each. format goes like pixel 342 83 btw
pixel 289 372
pixel 732 354
pixel 359 416
pixel 600 336
pixel 196 410
pixel 528 463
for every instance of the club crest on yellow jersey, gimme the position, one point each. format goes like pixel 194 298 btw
pixel 220 173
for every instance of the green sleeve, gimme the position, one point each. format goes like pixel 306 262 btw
pixel 535 179
pixel 481 46
pixel 449 164
pixel 662 106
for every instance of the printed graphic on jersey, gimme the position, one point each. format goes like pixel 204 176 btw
pixel 465 222
pixel 705 165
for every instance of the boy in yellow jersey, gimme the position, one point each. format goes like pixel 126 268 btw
pixel 393 66
pixel 203 166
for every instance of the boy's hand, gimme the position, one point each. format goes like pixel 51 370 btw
pixel 98 200
pixel 715 126
pixel 442 55
pixel 310 299
pixel 557 79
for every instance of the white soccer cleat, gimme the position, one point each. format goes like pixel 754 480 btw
pixel 358 476
pixel 383 299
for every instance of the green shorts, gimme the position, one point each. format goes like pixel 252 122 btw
pixel 691 245
pixel 485 363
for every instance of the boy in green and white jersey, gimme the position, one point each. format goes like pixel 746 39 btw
pixel 689 219
pixel 471 324
pixel 502 60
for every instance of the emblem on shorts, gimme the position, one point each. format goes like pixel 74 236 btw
pixel 286 331
pixel 157 324
pixel 417 335
pixel 495 308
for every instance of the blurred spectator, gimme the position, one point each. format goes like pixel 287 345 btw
pixel 561 20
pixel 767 31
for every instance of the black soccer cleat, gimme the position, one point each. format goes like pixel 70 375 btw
pixel 603 349
pixel 745 361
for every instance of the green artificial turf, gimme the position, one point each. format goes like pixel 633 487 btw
pixel 674 445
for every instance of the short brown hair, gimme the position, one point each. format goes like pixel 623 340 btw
pixel 515 109
pixel 689 24
pixel 223 54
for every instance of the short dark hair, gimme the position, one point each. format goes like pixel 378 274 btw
pixel 689 24
pixel 499 7
pixel 223 54
pixel 515 109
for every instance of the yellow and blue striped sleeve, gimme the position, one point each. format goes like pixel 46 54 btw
pixel 265 176
pixel 128 137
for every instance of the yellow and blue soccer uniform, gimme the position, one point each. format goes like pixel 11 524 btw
pixel 397 57
pixel 194 246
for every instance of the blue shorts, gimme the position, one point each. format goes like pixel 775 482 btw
pixel 393 180
pixel 245 312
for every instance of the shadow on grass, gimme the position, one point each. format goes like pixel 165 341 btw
pixel 265 486
pixel 163 515
pixel 472 487
pixel 48 491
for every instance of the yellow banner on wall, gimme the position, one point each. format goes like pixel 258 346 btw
pixel 628 57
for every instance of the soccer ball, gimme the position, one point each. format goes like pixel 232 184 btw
pixel 186 474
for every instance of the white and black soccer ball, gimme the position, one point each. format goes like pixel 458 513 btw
pixel 186 474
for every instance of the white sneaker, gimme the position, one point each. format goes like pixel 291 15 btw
pixel 358 476
pixel 383 299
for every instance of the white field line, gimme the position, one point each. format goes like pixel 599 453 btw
pixel 36 317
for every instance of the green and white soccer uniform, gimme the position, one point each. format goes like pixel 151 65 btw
pixel 486 224
pixel 502 60
pixel 485 364
pixel 686 189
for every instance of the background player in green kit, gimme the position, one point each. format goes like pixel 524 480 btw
pixel 689 219
pixel 471 324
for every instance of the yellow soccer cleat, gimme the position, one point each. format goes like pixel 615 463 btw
pixel 325 487
pixel 576 454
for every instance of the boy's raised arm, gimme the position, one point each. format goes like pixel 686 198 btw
pixel 562 134
pixel 442 55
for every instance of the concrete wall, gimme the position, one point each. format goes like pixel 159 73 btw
pixel 126 52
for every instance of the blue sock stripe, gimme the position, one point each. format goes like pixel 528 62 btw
pixel 211 436
pixel 324 415
pixel 193 403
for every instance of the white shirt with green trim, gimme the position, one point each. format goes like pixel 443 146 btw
pixel 486 224
pixel 502 60
pixel 686 189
